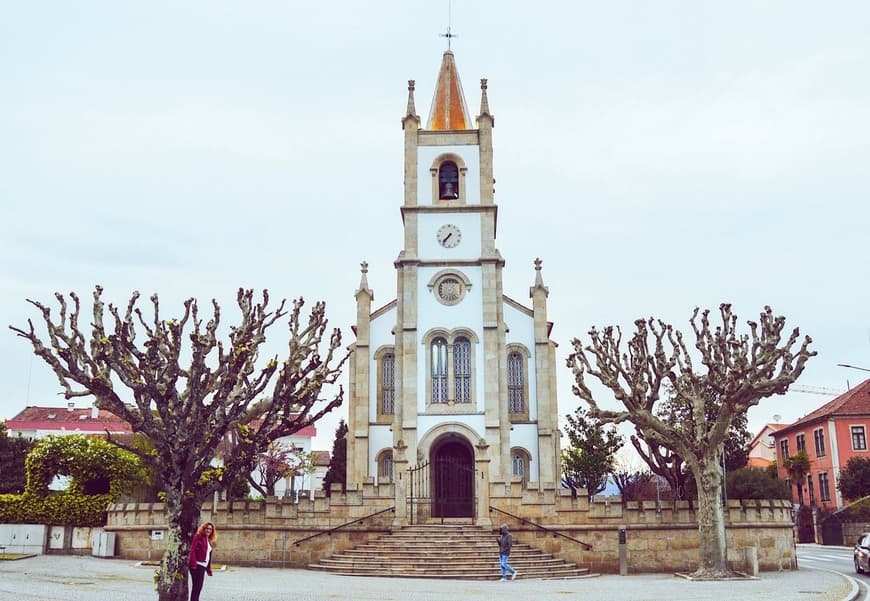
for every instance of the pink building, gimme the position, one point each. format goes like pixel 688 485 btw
pixel 830 435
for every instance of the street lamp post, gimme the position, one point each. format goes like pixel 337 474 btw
pixel 849 386
pixel 852 367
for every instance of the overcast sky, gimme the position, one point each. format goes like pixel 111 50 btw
pixel 656 156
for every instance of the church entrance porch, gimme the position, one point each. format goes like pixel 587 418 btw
pixel 443 488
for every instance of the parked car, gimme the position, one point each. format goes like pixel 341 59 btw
pixel 861 553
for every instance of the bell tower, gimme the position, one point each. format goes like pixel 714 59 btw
pixel 452 369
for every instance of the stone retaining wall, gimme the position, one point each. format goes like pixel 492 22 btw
pixel 659 538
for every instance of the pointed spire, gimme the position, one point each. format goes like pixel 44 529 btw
pixel 412 110
pixel 448 105
pixel 364 269
pixel 539 280
pixel 484 101
pixel 364 282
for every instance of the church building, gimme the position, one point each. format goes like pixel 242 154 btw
pixel 452 394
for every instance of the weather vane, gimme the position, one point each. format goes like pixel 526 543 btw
pixel 449 35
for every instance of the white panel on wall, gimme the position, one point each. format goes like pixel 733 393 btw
pixel 55 537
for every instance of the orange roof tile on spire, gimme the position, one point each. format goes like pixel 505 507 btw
pixel 448 105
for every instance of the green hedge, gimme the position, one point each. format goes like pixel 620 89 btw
pixel 60 510
pixel 91 462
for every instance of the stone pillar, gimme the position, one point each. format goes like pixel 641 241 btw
pixel 623 550
pixel 400 480
pixel 359 393
pixel 481 464
pixel 751 561
pixel 545 371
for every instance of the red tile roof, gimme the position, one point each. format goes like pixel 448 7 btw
pixel 853 402
pixel 321 458
pixel 310 431
pixel 63 418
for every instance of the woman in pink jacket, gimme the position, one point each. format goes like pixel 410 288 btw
pixel 200 557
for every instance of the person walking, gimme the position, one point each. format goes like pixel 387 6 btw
pixel 505 542
pixel 200 557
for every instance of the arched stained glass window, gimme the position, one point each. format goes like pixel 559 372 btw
pixel 516 402
pixel 462 369
pixel 439 370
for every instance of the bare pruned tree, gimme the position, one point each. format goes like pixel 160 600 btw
pixel 662 462
pixel 740 369
pixel 175 382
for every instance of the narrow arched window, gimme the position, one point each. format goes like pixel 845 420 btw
pixel 448 181
pixel 520 466
pixel 385 467
pixel 462 369
pixel 439 370
pixel 516 400
pixel 388 383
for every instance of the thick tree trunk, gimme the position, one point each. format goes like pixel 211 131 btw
pixel 711 523
pixel 183 518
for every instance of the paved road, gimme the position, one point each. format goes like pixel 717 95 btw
pixel 64 578
pixel 837 559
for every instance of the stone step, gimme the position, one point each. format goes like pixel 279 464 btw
pixel 454 551
pixel 529 557
pixel 492 573
pixel 453 555
pixel 546 566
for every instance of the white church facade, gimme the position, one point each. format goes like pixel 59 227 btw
pixel 452 383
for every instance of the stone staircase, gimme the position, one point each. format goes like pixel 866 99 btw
pixel 450 551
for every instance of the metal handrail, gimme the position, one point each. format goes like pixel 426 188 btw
pixel 329 532
pixel 539 526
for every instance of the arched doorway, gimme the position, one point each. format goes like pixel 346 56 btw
pixel 452 460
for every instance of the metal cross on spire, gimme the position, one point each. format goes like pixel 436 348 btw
pixel 449 35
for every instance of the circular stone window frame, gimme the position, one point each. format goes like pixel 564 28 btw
pixel 445 274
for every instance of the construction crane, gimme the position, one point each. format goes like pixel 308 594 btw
pixel 816 390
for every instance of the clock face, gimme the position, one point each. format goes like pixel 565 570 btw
pixel 449 235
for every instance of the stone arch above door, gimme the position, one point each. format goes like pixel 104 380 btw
pixel 458 429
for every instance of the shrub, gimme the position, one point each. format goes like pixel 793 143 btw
pixel 747 483
pixel 854 480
